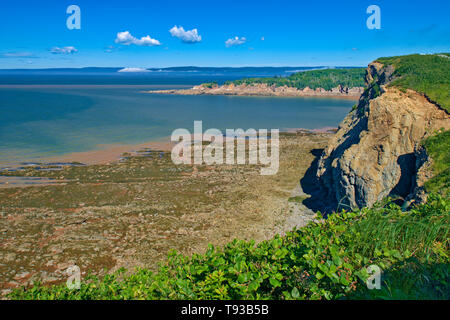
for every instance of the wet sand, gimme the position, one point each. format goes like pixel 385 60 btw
pixel 110 153
pixel 106 155
pixel 20 182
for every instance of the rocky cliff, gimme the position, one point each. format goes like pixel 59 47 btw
pixel 377 151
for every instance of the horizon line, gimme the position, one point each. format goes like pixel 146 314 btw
pixel 187 66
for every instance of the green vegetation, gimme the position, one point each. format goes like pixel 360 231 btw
pixel 298 199
pixel 427 74
pixel 438 147
pixel 326 79
pixel 325 260
pixel 210 85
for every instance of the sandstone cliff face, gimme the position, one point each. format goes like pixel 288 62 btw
pixel 376 151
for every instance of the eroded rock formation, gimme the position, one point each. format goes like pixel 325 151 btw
pixel 377 150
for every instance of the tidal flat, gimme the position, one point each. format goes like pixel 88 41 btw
pixel 132 212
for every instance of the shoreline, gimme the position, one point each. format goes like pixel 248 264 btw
pixel 110 154
pixel 104 154
pixel 113 153
pixel 263 90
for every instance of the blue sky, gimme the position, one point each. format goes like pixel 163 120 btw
pixel 270 33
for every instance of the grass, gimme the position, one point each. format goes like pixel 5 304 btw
pixel 438 147
pixel 411 280
pixel 427 74
pixel 298 199
pixel 325 260
pixel 409 233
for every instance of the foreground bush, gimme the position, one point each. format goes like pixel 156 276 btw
pixel 325 260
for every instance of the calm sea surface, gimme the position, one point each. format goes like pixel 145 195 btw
pixel 38 122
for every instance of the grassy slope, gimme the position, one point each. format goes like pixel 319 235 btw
pixel 427 74
pixel 327 79
pixel 438 147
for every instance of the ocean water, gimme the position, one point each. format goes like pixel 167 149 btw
pixel 43 121
pixel 113 76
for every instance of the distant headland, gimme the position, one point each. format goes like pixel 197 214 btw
pixel 326 82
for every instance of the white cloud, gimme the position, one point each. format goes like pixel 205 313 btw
pixel 17 55
pixel 133 70
pixel 63 50
pixel 190 36
pixel 126 38
pixel 110 49
pixel 236 41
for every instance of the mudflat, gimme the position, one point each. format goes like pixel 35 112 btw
pixel 130 213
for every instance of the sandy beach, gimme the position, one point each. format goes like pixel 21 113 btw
pixel 111 153
pixel 107 154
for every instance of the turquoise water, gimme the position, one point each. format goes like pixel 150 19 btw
pixel 43 122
